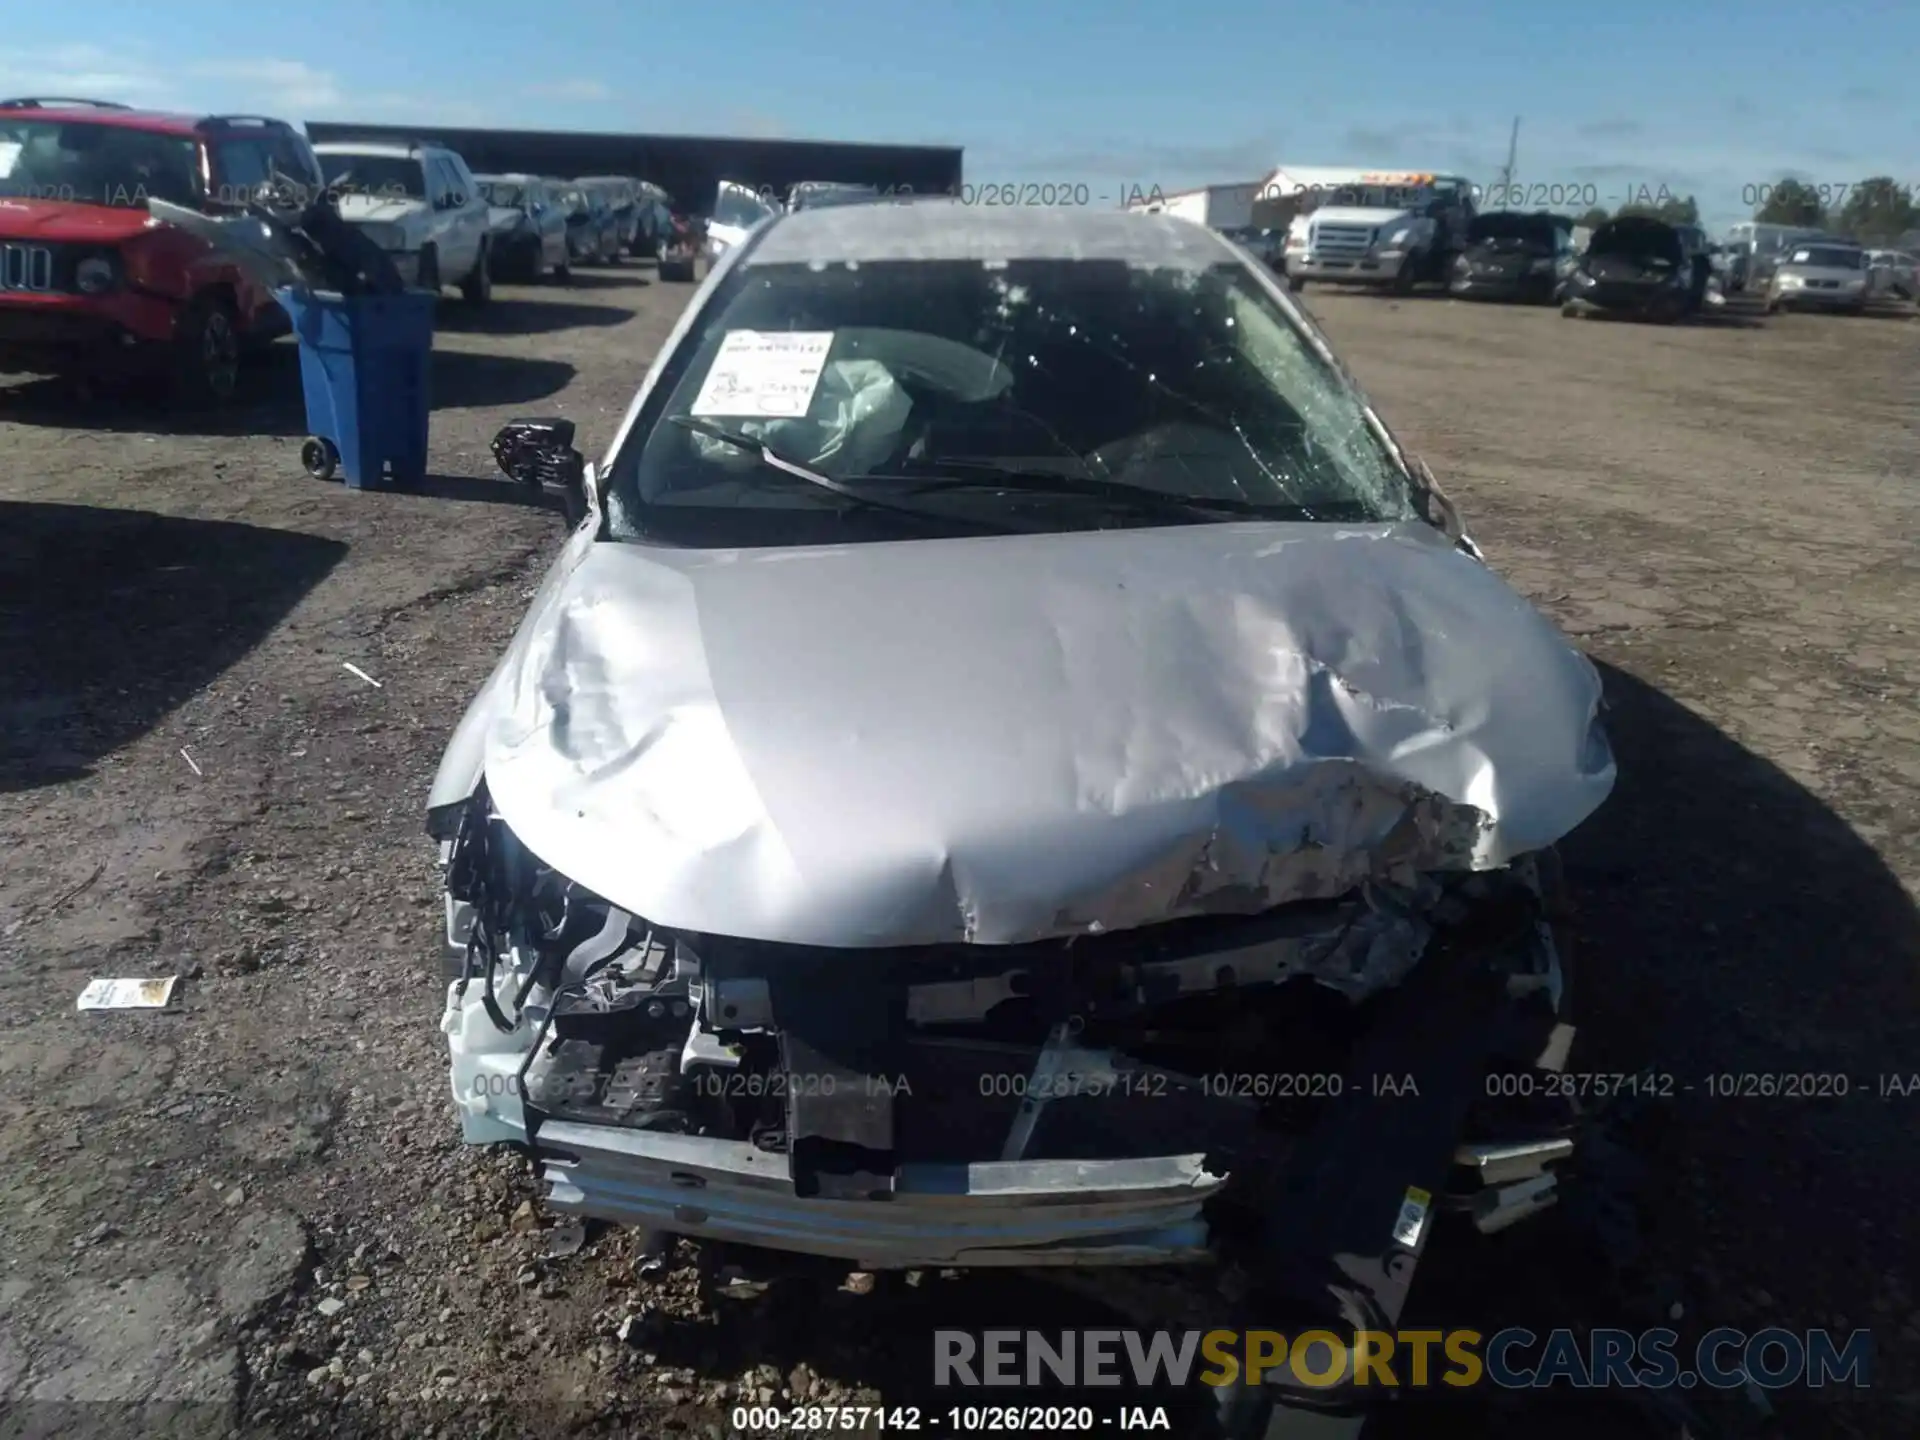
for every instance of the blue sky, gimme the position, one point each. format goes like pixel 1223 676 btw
pixel 1704 96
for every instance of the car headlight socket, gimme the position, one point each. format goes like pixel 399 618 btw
pixel 96 275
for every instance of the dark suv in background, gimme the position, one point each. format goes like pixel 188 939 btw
pixel 1515 255
pixel 90 284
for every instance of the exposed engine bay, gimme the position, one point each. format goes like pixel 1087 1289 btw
pixel 1133 1097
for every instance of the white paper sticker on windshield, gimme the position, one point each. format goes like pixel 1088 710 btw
pixel 765 373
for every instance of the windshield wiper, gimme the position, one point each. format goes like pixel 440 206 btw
pixel 776 461
pixel 1048 482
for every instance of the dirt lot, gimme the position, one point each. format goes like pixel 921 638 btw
pixel 254 1206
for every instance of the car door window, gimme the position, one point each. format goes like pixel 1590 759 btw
pixel 460 184
pixel 241 166
pixel 294 158
pixel 437 187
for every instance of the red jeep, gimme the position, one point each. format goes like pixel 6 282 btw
pixel 90 283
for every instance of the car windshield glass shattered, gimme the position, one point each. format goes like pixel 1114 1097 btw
pixel 90 164
pixel 953 397
pixel 391 177
pixel 499 192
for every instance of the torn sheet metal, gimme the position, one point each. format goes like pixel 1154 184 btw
pixel 1029 737
pixel 303 244
pixel 128 994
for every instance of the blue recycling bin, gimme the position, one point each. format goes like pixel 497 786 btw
pixel 364 368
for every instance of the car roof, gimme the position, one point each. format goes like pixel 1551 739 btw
pixel 159 122
pixel 947 229
pixel 518 177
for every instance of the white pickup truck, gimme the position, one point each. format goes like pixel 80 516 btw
pixel 1393 229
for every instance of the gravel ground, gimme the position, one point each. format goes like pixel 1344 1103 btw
pixel 254 1208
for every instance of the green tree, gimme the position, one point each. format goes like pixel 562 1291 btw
pixel 1791 202
pixel 1594 218
pixel 1878 211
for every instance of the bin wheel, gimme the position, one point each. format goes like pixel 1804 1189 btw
pixel 319 457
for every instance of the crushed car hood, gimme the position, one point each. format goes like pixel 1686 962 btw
pixel 1013 739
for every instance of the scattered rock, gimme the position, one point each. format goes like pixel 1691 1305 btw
pixel 735 1285
pixel 331 1306
pixel 860 1282
pixel 566 1240
pixel 635 1327
pixel 266 1252
pixel 524 1221
pixel 357 1283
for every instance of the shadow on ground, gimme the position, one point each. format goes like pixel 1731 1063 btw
pixel 111 618
pixel 537 315
pixel 483 490
pixel 1730 921
pixel 270 401
pixel 634 274
pixel 1730 924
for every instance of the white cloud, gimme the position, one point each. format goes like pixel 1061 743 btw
pixel 569 90
pixel 291 89
pixel 294 85
pixel 85 70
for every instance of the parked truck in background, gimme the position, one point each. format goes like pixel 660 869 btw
pixel 1392 229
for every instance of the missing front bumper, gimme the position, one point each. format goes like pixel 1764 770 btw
pixel 1103 1148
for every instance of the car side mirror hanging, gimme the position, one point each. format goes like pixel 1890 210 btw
pixel 539 454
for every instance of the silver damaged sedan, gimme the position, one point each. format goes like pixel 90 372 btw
pixel 1010 756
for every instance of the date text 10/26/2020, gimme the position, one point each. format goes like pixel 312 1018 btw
pixel 1016 194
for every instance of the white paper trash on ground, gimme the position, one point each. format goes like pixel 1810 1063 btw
pixel 128 994
pixel 769 373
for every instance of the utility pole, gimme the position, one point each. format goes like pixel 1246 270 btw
pixel 1506 174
